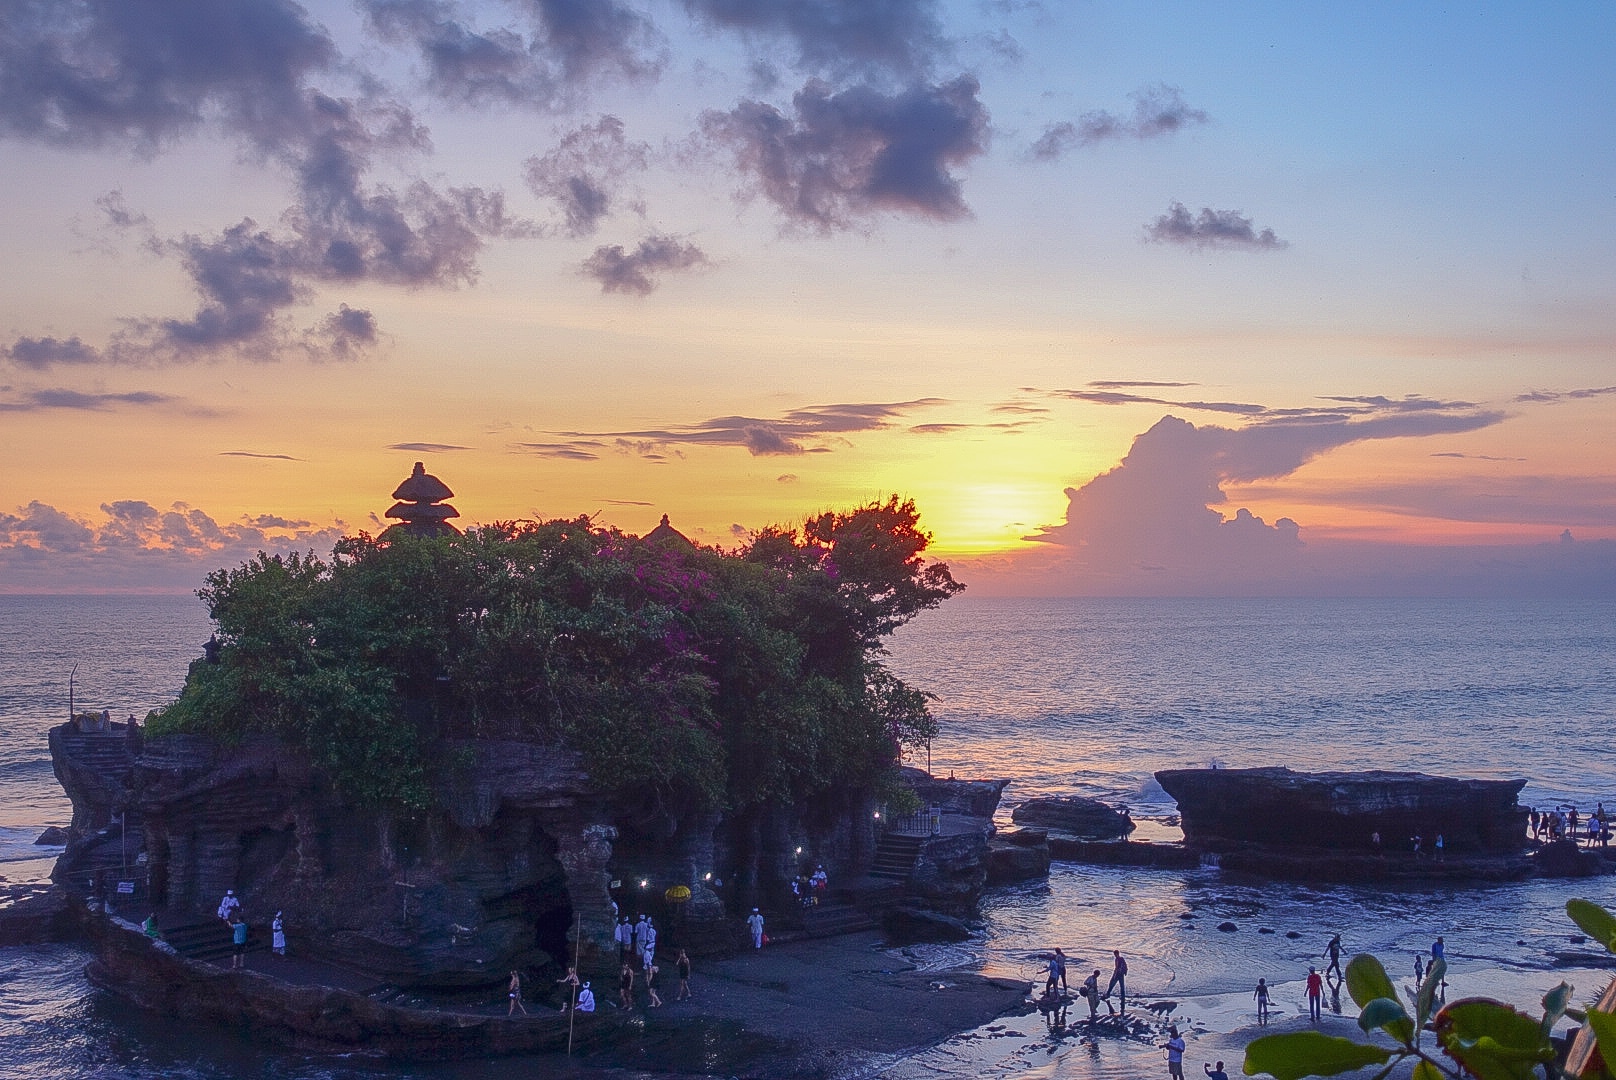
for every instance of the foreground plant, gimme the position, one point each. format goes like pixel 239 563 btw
pixel 1476 1037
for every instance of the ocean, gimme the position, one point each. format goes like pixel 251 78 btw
pixel 1081 696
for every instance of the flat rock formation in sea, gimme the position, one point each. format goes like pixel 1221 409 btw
pixel 1088 819
pixel 1324 826
pixel 1342 811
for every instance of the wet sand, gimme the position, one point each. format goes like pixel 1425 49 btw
pixel 1216 1027
pixel 837 1006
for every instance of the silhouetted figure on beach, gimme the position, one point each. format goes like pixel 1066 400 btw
pixel 1057 972
pixel 1261 994
pixel 1315 994
pixel 1091 990
pixel 1119 977
pixel 1333 951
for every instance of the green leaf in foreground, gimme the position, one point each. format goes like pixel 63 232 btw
pixel 1380 1013
pixel 1310 1053
pixel 1424 1070
pixel 1433 979
pixel 1367 980
pixel 1492 1040
pixel 1594 921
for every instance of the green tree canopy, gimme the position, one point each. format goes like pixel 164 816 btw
pixel 686 676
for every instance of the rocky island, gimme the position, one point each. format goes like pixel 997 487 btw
pixel 444 757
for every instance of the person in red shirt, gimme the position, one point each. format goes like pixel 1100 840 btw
pixel 1315 991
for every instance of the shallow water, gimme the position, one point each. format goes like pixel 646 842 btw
pixel 1063 696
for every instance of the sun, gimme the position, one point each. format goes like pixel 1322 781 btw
pixel 977 519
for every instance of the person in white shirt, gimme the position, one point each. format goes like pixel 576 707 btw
pixel 754 922
pixel 228 905
pixel 648 943
pixel 586 999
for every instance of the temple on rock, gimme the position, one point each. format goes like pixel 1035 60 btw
pixel 420 509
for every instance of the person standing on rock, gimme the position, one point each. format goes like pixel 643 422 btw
pixel 1091 990
pixel 1333 951
pixel 570 981
pixel 754 923
pixel 278 935
pixel 238 940
pixel 1315 992
pixel 1119 979
pixel 1261 994
pixel 1056 971
pixel 514 992
pixel 1175 1054
pixel 683 965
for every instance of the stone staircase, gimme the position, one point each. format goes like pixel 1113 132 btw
pixel 832 919
pixel 210 940
pixel 103 753
pixel 895 856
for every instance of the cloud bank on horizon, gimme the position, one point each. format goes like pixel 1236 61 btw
pixel 1153 525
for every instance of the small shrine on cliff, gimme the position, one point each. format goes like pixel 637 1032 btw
pixel 420 509
pixel 667 534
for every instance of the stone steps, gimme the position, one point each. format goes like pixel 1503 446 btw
pixel 895 856
pixel 830 920
pixel 209 940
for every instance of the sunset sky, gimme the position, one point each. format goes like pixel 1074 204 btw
pixel 1085 280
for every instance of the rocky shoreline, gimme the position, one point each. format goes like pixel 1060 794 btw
pixel 257 819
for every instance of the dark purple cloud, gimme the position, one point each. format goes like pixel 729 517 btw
pixel 1116 397
pixel 42 400
pixel 902 38
pixel 426 447
pixel 788 435
pixel 1550 397
pixel 563 44
pixel 1215 230
pixel 640 271
pixel 577 450
pixel 846 155
pixel 253 454
pixel 584 174
pixel 1157 111
pixel 140 72
pixel 40 353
